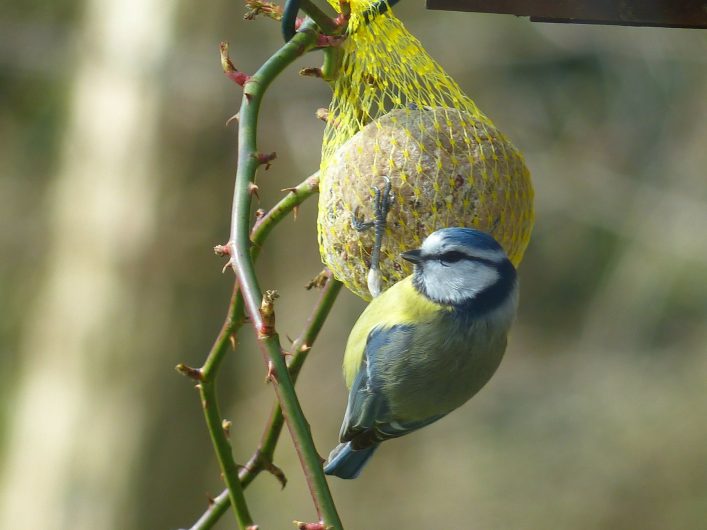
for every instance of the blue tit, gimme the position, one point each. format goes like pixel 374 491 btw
pixel 426 345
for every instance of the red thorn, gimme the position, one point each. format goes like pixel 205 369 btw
pixel 222 250
pixel 328 41
pixel 341 20
pixel 238 78
pixel 229 69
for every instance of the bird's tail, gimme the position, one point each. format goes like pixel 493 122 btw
pixel 345 462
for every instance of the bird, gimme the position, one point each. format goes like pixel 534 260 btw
pixel 426 345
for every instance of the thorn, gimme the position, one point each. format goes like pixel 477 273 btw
pixel 259 213
pixel 313 181
pixel 342 19
pixel 322 114
pixel 235 117
pixel 248 96
pixel 228 264
pixel 329 41
pixel 311 526
pixel 277 473
pixel 253 189
pixel 289 339
pixel 290 190
pixel 270 377
pixel 231 72
pixel 226 426
pixel 210 500
pixel 233 340
pixel 313 71
pixel 188 371
pixel 295 211
pixel 305 348
pixel 222 250
pixel 265 158
pixel 319 280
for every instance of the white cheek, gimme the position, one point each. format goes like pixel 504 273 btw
pixel 459 282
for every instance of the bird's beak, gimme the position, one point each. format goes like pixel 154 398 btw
pixel 413 256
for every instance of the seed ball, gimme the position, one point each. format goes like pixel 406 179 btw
pixel 446 167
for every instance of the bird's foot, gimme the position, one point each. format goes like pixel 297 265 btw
pixel 383 199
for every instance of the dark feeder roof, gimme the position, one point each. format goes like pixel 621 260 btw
pixel 660 13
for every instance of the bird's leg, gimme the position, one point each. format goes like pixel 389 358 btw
pixel 383 199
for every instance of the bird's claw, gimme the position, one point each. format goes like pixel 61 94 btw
pixel 383 199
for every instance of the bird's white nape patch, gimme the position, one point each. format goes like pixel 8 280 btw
pixel 432 243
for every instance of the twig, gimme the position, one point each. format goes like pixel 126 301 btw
pixel 263 456
pixel 206 377
pixel 234 319
pixel 222 446
pixel 242 264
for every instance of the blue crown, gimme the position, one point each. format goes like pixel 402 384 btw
pixel 468 237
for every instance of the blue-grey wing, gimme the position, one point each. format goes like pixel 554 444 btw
pixel 368 419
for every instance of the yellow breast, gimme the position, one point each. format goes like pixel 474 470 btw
pixel 401 304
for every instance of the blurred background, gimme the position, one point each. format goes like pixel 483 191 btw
pixel 116 174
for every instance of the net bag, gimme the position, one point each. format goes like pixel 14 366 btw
pixel 395 113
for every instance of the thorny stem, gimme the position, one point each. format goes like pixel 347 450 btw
pixel 207 373
pixel 263 455
pixel 207 391
pixel 262 228
pixel 242 264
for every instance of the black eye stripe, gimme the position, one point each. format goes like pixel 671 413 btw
pixel 453 256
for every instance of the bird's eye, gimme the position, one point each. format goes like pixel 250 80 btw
pixel 451 257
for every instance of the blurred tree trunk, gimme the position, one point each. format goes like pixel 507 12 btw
pixel 76 421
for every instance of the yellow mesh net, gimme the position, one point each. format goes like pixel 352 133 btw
pixel 396 113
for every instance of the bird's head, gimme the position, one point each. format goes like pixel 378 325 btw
pixel 462 267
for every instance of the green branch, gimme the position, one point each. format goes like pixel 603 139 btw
pixel 206 375
pixel 262 458
pixel 207 390
pixel 260 310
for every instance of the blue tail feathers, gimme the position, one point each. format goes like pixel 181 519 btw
pixel 345 462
